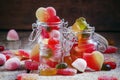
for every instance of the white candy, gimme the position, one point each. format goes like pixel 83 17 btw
pixel 80 64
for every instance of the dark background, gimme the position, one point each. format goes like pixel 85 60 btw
pixel 20 14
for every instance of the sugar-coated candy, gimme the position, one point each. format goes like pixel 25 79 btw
pixel 12 63
pixel 48 71
pixel 67 71
pixel 42 14
pixel 94 60
pixel 8 54
pixel 53 19
pixel 51 11
pixel 2 59
pixel 31 65
pixel 12 35
pixel 80 64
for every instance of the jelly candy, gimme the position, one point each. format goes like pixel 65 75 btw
pixel 12 63
pixel 12 35
pixel 2 59
pixel 106 67
pixel 48 71
pixel 55 34
pixel 67 71
pixel 94 60
pixel 51 11
pixel 68 60
pixel 51 63
pixel 23 54
pixel 79 25
pixel 112 64
pixel 31 65
pixel 80 64
pixel 53 19
pixel 42 14
pixel 44 33
pixel 35 53
pixel 61 65
pixel 111 49
pixel 1 48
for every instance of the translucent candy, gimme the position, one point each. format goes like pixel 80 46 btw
pixel 51 11
pixel 42 14
pixel 35 53
pixel 94 60
pixel 79 25
pixel 48 71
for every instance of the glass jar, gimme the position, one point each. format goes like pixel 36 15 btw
pixel 87 41
pixel 49 36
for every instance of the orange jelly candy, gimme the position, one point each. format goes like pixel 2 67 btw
pixel 48 71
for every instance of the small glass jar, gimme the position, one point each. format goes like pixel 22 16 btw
pixel 87 41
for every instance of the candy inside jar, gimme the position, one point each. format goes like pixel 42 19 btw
pixel 86 40
pixel 49 36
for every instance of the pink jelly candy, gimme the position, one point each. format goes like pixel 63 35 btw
pixel 12 35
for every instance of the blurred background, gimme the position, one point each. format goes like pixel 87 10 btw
pixel 103 14
pixel 20 14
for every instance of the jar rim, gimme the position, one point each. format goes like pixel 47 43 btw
pixel 49 23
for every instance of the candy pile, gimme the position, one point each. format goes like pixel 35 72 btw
pixel 80 59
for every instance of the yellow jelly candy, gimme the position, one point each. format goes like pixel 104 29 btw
pixel 79 25
pixel 42 14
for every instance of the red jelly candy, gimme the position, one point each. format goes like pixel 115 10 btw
pixel 67 71
pixel 51 11
pixel 1 48
pixel 111 63
pixel 31 65
pixel 111 49
pixel 51 63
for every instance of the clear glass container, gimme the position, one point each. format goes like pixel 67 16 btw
pixel 87 41
pixel 49 36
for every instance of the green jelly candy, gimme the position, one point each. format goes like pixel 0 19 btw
pixel 61 66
